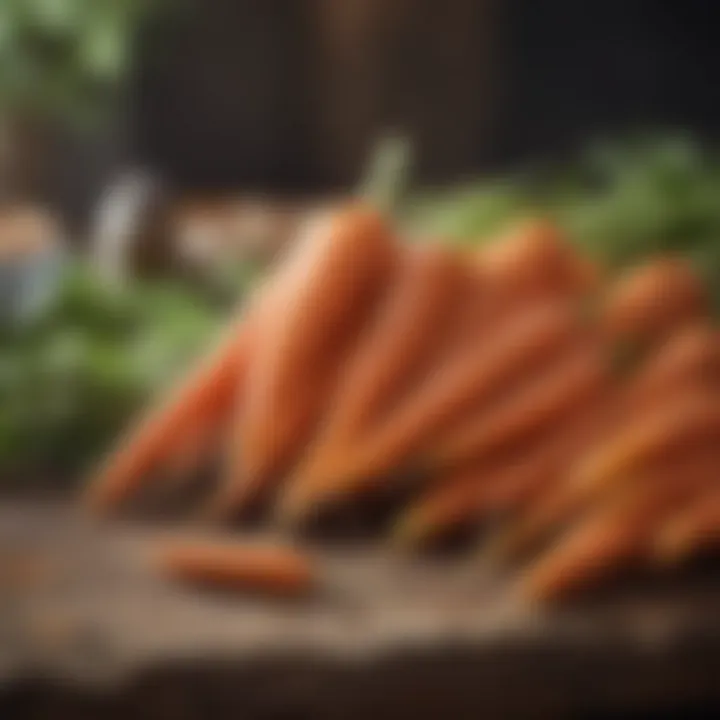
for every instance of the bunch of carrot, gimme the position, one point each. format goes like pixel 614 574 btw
pixel 484 385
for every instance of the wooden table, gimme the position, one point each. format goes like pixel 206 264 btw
pixel 87 628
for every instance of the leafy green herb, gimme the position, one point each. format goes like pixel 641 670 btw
pixel 70 379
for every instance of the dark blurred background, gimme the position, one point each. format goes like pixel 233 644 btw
pixel 292 96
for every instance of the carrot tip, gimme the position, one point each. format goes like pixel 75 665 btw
pixel 408 532
pixel 669 550
pixel 293 510
pixel 216 509
pixel 100 499
pixel 506 546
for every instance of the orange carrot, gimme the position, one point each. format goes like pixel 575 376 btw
pixel 332 279
pixel 395 350
pixel 267 569
pixel 693 529
pixel 475 308
pixel 545 468
pixel 649 302
pixel 463 498
pixel 409 327
pixel 196 448
pixel 591 552
pixel 534 259
pixel 567 384
pixel 196 399
pixel 451 503
pixel 531 264
pixel 616 533
pixel 537 523
pixel 688 358
pixel 500 485
pixel 551 513
pixel 466 381
pixel 685 421
pixel 668 393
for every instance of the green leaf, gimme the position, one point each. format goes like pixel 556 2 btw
pixel 103 49
pixel 60 58
pixel 54 15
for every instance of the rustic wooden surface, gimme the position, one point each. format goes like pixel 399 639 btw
pixel 87 626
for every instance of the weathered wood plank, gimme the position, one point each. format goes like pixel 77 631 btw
pixel 85 624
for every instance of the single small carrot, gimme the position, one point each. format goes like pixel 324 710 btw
pixel 466 381
pixel 650 301
pixel 693 529
pixel 150 442
pixel 327 289
pixel 267 569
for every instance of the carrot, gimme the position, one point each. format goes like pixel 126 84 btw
pixel 499 486
pixel 681 365
pixel 196 448
pixel 197 398
pixel 475 309
pixel 618 532
pixel 567 384
pixel 449 504
pixel 588 554
pixel 655 420
pixel 695 528
pixel 465 496
pixel 683 422
pixel 330 282
pixel 409 327
pixel 562 446
pixel 268 569
pixel 648 302
pixel 534 259
pixel 531 264
pixel 688 358
pixel 537 523
pixel 469 379
pixel 551 513
pixel 395 349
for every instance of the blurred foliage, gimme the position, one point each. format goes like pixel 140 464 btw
pixel 73 376
pixel 63 56
pixel 620 201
